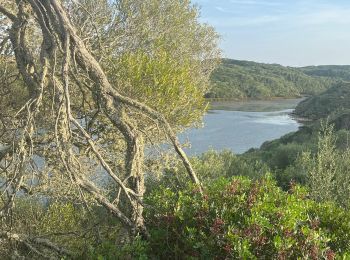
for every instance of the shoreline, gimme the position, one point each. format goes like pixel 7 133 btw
pixel 300 119
pixel 256 105
pixel 254 99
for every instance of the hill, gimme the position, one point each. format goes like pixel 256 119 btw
pixel 331 71
pixel 245 79
pixel 335 100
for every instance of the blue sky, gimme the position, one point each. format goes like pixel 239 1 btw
pixel 288 32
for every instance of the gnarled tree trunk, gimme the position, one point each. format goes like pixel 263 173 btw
pixel 62 54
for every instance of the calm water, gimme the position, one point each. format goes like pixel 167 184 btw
pixel 241 130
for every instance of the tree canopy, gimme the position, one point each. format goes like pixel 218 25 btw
pixel 245 79
pixel 86 85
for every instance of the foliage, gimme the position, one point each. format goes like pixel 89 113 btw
pixel 85 87
pixel 157 53
pixel 240 218
pixel 282 156
pixel 335 222
pixel 164 84
pixel 323 167
pixel 65 219
pixel 108 250
pixel 236 218
pixel 328 170
pixel 210 166
pixel 244 79
pixel 87 233
pixel 333 101
pixel 330 71
pixel 153 51
pixel 12 93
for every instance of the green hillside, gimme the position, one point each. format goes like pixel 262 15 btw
pixel 245 79
pixel 333 101
pixel 331 71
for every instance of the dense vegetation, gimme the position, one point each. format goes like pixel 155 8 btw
pixel 243 213
pixel 333 102
pixel 245 79
pixel 330 71
pixel 79 108
pixel 85 86
pixel 242 219
pixel 287 200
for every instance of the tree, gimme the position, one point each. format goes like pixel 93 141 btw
pixel 96 79
pixel 328 171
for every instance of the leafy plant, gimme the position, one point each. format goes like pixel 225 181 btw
pixel 240 218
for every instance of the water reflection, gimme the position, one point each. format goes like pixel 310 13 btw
pixel 238 131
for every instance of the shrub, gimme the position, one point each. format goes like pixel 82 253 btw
pixel 328 171
pixel 240 218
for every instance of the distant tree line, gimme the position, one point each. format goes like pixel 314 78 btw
pixel 235 79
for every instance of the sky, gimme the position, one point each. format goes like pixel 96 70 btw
pixel 287 32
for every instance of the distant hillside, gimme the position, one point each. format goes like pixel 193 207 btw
pixel 245 79
pixel 330 71
pixel 334 101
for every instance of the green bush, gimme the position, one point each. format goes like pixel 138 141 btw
pixel 213 164
pixel 335 223
pixel 244 219
pixel 109 250
pixel 327 171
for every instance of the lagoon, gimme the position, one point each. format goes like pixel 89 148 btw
pixel 239 126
